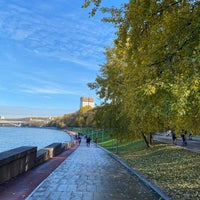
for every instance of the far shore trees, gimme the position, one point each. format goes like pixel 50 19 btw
pixel 82 118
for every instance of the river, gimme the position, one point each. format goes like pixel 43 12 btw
pixel 13 137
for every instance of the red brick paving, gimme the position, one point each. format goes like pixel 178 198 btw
pixel 20 187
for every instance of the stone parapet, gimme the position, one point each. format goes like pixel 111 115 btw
pixel 54 149
pixel 22 159
pixel 16 161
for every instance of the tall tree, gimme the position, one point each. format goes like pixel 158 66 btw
pixel 152 71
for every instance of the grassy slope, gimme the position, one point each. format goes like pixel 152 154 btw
pixel 172 168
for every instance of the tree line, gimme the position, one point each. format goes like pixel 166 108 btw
pixel 150 80
pixel 82 118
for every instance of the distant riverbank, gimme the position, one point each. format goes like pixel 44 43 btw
pixel 13 137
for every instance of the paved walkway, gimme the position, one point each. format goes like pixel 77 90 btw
pixel 192 145
pixel 90 173
pixel 20 187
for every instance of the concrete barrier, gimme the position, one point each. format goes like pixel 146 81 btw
pixel 49 152
pixel 52 150
pixel 22 159
pixel 16 161
pixel 42 156
pixel 67 145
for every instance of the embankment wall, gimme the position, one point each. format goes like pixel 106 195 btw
pixel 22 159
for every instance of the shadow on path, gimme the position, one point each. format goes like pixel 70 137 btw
pixel 90 173
pixel 192 145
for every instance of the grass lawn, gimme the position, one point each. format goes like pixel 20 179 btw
pixel 173 169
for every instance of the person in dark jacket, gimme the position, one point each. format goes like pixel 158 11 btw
pixel 183 136
pixel 174 138
pixel 88 141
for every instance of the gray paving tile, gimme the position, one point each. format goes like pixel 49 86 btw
pixel 92 174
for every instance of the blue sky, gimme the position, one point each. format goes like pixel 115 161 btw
pixel 49 51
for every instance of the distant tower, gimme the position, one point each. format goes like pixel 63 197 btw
pixel 87 101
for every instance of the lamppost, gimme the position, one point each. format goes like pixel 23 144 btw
pixel 102 132
pixel 117 149
pixel 92 134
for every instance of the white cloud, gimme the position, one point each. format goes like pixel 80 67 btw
pixel 45 90
pixel 50 50
pixel 71 37
pixel 41 85
pixel 21 34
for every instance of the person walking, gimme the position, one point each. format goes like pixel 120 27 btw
pixel 190 135
pixel 88 141
pixel 79 139
pixel 183 136
pixel 96 141
pixel 174 138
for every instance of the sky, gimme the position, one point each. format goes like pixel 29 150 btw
pixel 49 51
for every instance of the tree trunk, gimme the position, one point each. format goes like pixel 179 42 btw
pixel 151 138
pixel 145 139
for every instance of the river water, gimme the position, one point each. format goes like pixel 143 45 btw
pixel 13 137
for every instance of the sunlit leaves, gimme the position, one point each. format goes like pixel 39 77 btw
pixel 174 169
pixel 82 118
pixel 151 74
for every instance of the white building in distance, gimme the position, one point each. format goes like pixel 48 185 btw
pixel 87 101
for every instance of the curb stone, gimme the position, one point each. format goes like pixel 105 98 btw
pixel 138 174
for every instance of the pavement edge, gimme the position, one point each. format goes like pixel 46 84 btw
pixel 138 174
